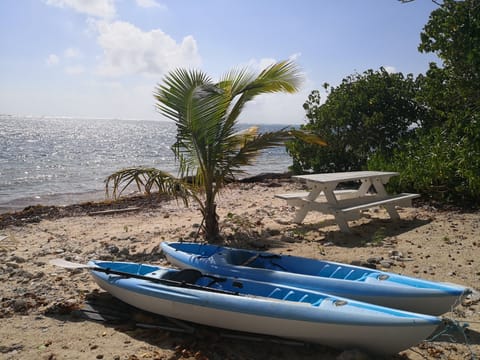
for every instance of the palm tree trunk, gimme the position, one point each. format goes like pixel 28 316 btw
pixel 211 226
pixel 212 229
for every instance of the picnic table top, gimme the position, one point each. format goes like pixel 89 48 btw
pixel 346 176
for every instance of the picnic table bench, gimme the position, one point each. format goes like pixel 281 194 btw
pixel 345 204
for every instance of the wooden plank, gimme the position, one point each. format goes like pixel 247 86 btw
pixel 297 195
pixel 390 200
pixel 346 176
pixel 304 194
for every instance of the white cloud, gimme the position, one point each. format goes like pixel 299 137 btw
pixel 113 99
pixel 150 4
pixel 260 65
pixel 52 60
pixel 71 53
pixel 128 50
pixel 97 8
pixel 278 108
pixel 75 70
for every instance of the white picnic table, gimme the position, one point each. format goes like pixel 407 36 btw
pixel 345 204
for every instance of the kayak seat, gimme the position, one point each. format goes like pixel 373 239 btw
pixel 189 276
pixel 239 257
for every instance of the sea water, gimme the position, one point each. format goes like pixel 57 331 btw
pixel 60 161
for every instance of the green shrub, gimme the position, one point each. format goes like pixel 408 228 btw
pixel 439 164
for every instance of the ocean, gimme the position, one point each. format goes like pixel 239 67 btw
pixel 62 161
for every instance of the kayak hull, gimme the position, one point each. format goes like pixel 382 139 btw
pixel 363 284
pixel 332 321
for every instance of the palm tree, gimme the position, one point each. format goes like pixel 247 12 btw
pixel 208 147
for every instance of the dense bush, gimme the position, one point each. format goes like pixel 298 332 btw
pixel 439 165
pixel 366 113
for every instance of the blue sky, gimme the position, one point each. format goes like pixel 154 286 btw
pixel 103 58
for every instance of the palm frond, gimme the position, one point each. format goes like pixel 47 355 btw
pixel 177 87
pixel 197 106
pixel 307 136
pixel 147 180
pixel 236 80
pixel 283 76
pixel 246 135
pixel 250 147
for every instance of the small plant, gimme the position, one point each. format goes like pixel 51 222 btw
pixel 321 250
pixel 446 240
pixel 240 224
pixel 379 236
pixel 299 232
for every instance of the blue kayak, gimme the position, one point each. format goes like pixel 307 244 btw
pixel 355 282
pixel 262 308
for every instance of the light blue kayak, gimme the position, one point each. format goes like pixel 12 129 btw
pixel 355 282
pixel 256 307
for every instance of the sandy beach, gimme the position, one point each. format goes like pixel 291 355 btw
pixel 46 312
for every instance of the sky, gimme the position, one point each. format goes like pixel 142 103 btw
pixel 104 58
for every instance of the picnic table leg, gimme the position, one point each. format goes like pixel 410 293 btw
pixel 364 187
pixel 340 218
pixel 303 209
pixel 380 189
pixel 342 222
pixel 301 212
pixel 392 212
pixel 314 192
pixel 329 191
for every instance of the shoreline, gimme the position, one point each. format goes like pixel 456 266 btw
pixel 83 203
pixel 40 304
pixel 98 196
pixel 65 199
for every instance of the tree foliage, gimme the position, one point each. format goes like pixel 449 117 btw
pixel 453 34
pixel 365 114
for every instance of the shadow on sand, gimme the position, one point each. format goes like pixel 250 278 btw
pixel 187 339
pixel 373 231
